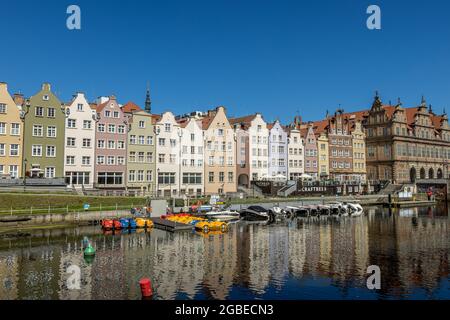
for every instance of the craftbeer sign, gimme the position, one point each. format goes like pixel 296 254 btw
pixel 316 190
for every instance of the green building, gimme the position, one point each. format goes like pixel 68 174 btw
pixel 44 135
pixel 141 146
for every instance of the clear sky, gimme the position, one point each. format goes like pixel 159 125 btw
pixel 275 57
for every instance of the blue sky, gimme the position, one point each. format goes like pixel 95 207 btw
pixel 275 57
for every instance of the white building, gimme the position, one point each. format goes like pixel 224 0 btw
pixel 278 150
pixel 296 156
pixel 192 163
pixel 168 134
pixel 79 145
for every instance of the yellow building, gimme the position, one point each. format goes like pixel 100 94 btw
pixel 359 152
pixel 11 135
pixel 324 164
pixel 220 149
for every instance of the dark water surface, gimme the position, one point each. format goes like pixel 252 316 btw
pixel 300 259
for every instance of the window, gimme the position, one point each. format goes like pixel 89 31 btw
pixel 172 158
pixel 51 112
pixel 2 108
pixel 162 142
pixel 141 156
pixel 221 176
pixel 2 128
pixel 150 140
pixel 86 161
pixel 120 160
pixel 173 143
pixel 110 160
pixel 101 144
pixel 121 144
pixel 230 177
pixel 2 149
pixel 86 143
pixel 111 144
pixel 211 177
pixel 149 175
pixel 220 132
pixel 51 132
pixel 149 157
pixel 166 178
pixel 162 158
pixel 111 128
pixel 45 97
pixel 167 127
pixel 100 159
pixel 80 107
pixel 111 178
pixel 132 175
pixel 37 130
pixel 132 156
pixel 121 129
pixel 36 150
pixel 14 171
pixel 192 178
pixel 116 114
pixel 142 124
pixel 51 151
pixel 140 175
pixel 71 123
pixel 15 129
pixel 107 113
pixel 39 112
pixel 132 139
pixel 101 127
pixel 70 160
pixel 14 150
pixel 50 172
pixel 87 124
pixel 141 140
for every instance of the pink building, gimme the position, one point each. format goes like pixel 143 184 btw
pixel 110 145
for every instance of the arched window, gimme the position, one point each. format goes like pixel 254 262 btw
pixel 439 173
pixel 431 173
pixel 422 173
pixel 412 174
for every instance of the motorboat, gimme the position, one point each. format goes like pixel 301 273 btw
pixel 255 213
pixel 355 209
pixel 225 215
pixel 324 210
pixel 312 209
pixel 338 208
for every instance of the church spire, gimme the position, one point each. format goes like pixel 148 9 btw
pixel 148 102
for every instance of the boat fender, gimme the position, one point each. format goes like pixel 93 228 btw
pixel 146 288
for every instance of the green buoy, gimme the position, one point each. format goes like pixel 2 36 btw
pixel 89 251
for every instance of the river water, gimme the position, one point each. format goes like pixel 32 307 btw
pixel 299 259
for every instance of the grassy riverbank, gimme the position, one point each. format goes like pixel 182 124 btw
pixel 29 203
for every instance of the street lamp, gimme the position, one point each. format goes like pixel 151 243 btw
pixel 25 161
pixel 23 114
pixel 180 135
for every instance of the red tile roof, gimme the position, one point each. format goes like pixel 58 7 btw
pixel 131 107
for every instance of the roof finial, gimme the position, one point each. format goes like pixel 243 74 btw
pixel 430 109
pixel 423 102
pixel 377 96
pixel 443 111
pixel 148 102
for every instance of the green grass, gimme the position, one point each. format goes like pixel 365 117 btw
pixel 61 203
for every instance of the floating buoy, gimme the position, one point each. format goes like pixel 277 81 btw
pixel 146 288
pixel 89 251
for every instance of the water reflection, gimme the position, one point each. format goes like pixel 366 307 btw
pixel 298 259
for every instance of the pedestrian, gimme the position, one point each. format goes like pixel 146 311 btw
pixel 429 194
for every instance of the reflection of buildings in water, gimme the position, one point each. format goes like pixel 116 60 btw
pixel 312 247
pixel 108 271
pixel 325 247
pixel 39 273
pixel 343 251
pixel 9 265
pixel 278 254
pixel 242 275
pixel 178 263
pixel 73 255
pixel 259 258
pixel 220 264
pixel 361 245
pixel 297 251
pixel 423 245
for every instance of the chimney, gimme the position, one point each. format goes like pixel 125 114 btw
pixel 3 86
pixel 18 99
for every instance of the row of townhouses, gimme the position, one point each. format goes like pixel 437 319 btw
pixel 110 146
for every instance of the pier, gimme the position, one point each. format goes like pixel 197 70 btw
pixel 170 226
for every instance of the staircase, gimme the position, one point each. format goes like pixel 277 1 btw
pixel 288 189
pixel 253 192
pixel 390 189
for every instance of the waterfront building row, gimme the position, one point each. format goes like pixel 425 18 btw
pixel 110 146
